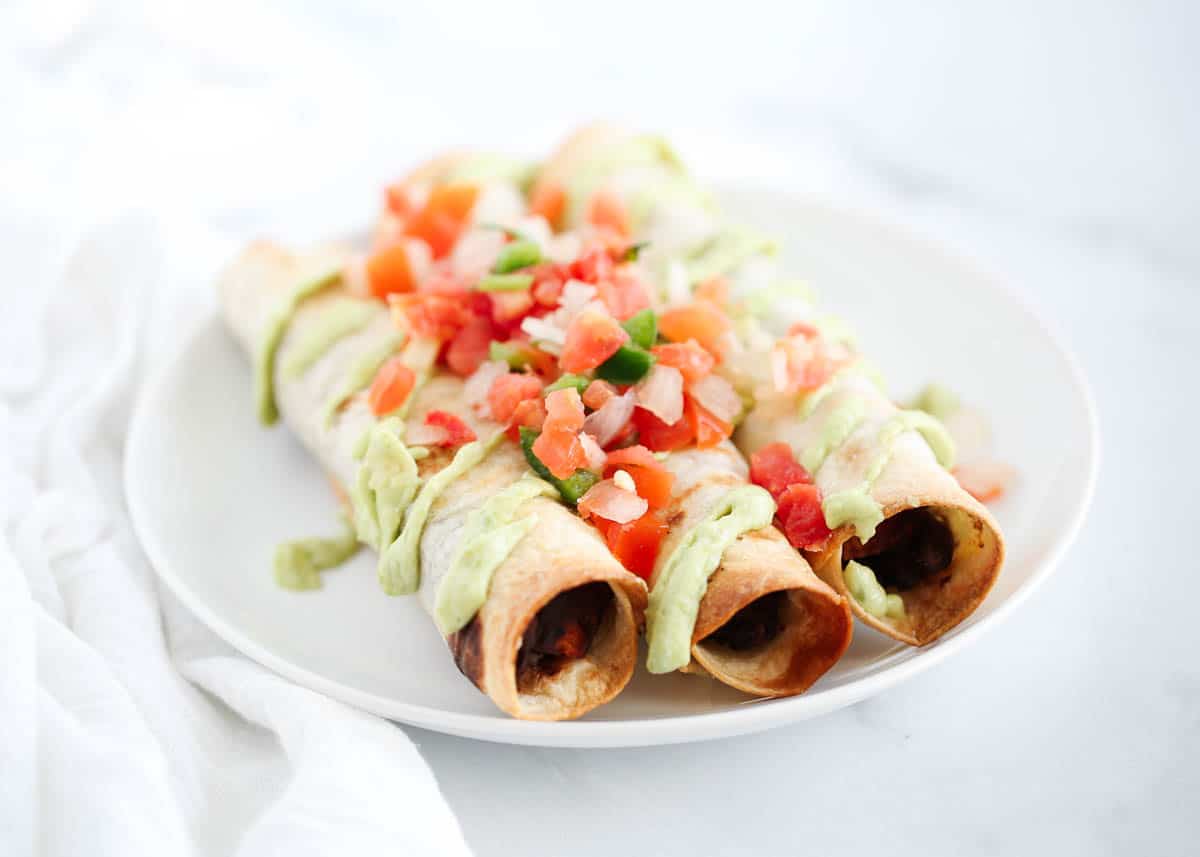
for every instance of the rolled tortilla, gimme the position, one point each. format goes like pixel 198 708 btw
pixel 766 624
pixel 558 580
pixel 936 547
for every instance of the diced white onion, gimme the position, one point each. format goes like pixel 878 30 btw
pixel 499 202
pixel 679 290
pixel 661 393
pixel 576 294
pixel 624 481
pixel 420 258
pixel 595 455
pixel 605 422
pixel 476 252
pixel 615 504
pixel 540 329
pixel 476 388
pixel 536 229
pixel 564 248
pixel 717 396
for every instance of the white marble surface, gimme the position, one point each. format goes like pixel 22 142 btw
pixel 1052 143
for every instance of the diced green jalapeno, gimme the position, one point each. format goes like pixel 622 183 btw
pixel 502 351
pixel 642 328
pixel 516 255
pixel 634 250
pixel 505 282
pixel 628 366
pixel 579 382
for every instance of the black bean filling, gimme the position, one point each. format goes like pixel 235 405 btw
pixel 906 549
pixel 757 623
pixel 564 629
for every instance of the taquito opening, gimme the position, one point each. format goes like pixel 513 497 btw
pixel 907 549
pixel 756 624
pixel 565 630
pixel 775 644
pixel 941 559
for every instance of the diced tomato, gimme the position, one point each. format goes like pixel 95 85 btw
pixel 443 217
pixel 637 543
pixel 631 456
pixel 559 450
pixel 548 200
pixel 715 290
pixel 507 307
pixel 564 410
pixel 803 328
pixel 607 211
pixel 398 199
pixel 443 281
pixel 775 468
pixel 623 437
pixel 656 435
pixel 548 282
pixel 593 266
pixel 509 391
pixel 388 272
pixel 700 320
pixel 802 361
pixel 543 363
pixel 393 382
pixel 529 412
pixel 801 517
pixel 692 361
pixel 623 294
pixel 435 316
pixel 707 429
pixel 653 481
pixel 469 347
pixel 457 431
pixel 597 393
pixel 592 337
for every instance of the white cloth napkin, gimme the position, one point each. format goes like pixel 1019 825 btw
pixel 126 727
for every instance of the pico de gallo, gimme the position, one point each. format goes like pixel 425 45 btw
pixel 559 339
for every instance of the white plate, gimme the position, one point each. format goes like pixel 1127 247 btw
pixel 211 493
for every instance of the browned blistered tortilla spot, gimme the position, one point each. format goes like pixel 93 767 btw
pixel 467 647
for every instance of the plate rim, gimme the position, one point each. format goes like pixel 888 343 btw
pixel 753 716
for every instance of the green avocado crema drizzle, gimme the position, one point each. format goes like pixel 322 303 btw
pixel 361 373
pixel 276 327
pixel 298 564
pixel 675 598
pixel 838 426
pixel 855 506
pixel 385 485
pixel 342 317
pixel 938 401
pixel 866 590
pixel 489 536
pixel 399 559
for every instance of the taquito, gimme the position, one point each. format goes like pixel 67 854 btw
pixel 766 624
pixel 556 635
